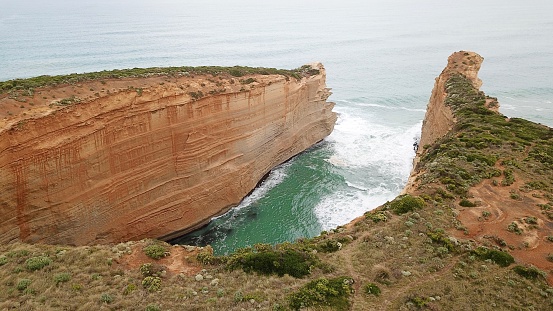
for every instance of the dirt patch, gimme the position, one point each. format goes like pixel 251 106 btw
pixel 510 219
pixel 181 259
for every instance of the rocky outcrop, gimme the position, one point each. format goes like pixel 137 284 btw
pixel 439 118
pixel 126 159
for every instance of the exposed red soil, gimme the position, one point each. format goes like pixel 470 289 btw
pixel 180 260
pixel 529 247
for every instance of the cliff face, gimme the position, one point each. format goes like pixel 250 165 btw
pixel 439 118
pixel 149 157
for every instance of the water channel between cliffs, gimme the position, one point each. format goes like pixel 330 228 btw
pixel 328 185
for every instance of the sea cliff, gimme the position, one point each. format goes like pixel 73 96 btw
pixel 492 170
pixel 110 160
pixel 473 231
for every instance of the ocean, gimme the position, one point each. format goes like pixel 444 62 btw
pixel 381 58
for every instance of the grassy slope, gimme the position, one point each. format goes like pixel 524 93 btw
pixel 404 248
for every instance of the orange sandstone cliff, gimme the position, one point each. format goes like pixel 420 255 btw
pixel 124 159
pixel 439 118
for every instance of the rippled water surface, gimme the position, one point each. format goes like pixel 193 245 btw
pixel 381 59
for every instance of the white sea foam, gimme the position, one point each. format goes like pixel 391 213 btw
pixel 390 107
pixel 344 206
pixel 275 177
pixel 376 159
pixel 359 142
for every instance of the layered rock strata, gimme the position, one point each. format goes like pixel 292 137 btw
pixel 439 118
pixel 126 159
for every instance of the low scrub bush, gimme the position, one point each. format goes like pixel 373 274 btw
pixel 106 298
pixel 438 236
pixel 37 263
pixel 329 246
pixel 152 283
pixel 531 273
pixel 331 293
pixel 62 277
pixel 206 257
pixel 371 289
pixel 270 260
pixel 501 258
pixel 404 204
pixel 377 216
pixel 152 307
pixel 156 251
pixel 513 227
pixel 129 289
pixel 467 203
pixel 23 284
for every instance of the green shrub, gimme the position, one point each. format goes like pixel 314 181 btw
pixel 419 302
pixel 106 298
pixel 207 258
pixel 238 296
pixel 248 81
pixel 146 269
pixel 509 177
pixel 467 203
pixel 531 273
pixel 23 284
pixel 332 293
pixel 152 283
pixel 3 260
pixel 129 289
pixel 371 289
pixel 377 216
pixel 152 307
pixel 155 251
pixel 285 260
pixel 438 236
pixel 37 263
pixel 501 258
pixel 405 203
pixel 329 246
pixel 513 227
pixel 62 278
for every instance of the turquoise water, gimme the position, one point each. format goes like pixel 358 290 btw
pixel 381 58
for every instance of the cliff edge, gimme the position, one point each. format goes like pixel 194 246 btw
pixel 492 171
pixel 110 160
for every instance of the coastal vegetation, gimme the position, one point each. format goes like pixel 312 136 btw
pixel 412 253
pixel 26 87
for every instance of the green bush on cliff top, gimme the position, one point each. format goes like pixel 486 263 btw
pixel 267 260
pixel 333 293
pixel 404 204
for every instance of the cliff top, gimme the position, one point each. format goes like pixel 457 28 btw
pixel 465 63
pixel 474 232
pixel 494 170
pixel 22 99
